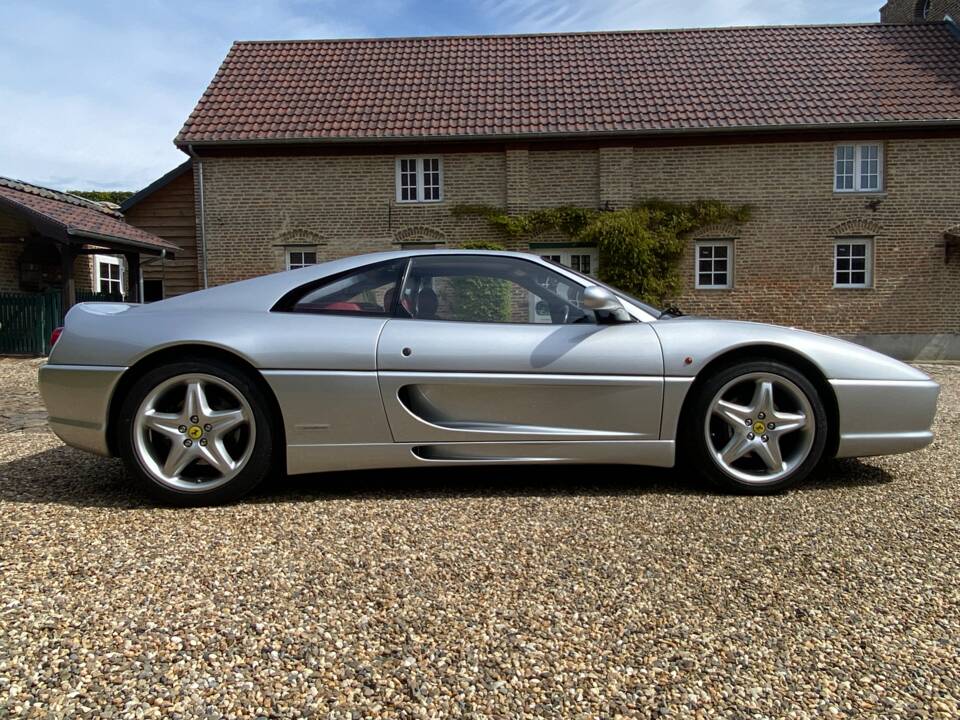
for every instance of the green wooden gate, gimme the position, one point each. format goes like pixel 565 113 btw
pixel 27 319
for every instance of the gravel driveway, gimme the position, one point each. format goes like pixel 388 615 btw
pixel 591 592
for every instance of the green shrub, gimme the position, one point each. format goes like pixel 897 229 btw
pixel 480 299
pixel 640 247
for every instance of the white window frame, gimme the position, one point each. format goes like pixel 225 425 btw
pixel 857 168
pixel 566 254
pixel 114 261
pixel 731 249
pixel 867 265
pixel 419 160
pixel 288 252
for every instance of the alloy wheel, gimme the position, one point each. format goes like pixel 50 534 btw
pixel 194 432
pixel 760 428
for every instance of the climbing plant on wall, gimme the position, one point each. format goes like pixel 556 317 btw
pixel 640 247
pixel 480 299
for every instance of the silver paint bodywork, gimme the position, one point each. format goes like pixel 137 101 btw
pixel 351 397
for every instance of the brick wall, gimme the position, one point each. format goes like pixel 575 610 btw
pixel 11 229
pixel 257 206
pixel 8 267
pixel 905 11
pixel 564 177
pixel 784 255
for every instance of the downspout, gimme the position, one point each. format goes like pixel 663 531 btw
pixel 203 226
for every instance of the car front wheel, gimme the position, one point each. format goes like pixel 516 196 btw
pixel 757 427
pixel 196 433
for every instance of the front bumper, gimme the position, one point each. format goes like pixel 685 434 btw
pixel 885 417
pixel 78 402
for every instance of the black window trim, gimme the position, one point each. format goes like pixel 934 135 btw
pixel 287 302
pixel 292 297
pixel 481 322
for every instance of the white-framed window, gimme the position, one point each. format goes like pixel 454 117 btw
pixel 298 258
pixel 714 264
pixel 108 274
pixel 582 259
pixel 419 179
pixel 858 168
pixel 853 263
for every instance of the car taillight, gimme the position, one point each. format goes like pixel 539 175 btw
pixel 55 335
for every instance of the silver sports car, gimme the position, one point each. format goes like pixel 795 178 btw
pixel 460 357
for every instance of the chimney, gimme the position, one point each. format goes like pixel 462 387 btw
pixel 918 11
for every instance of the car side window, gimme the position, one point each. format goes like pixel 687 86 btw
pixel 370 290
pixel 490 289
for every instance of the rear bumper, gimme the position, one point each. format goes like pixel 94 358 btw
pixel 78 401
pixel 885 417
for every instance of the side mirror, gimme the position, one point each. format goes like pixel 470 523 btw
pixel 598 298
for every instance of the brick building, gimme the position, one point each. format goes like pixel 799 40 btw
pixel 845 141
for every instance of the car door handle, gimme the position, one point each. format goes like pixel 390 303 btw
pixel 406 352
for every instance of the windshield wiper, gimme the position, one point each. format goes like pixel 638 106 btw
pixel 671 312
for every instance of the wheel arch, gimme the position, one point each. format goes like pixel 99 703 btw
pixel 192 351
pixel 796 360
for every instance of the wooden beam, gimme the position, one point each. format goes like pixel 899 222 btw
pixel 68 256
pixel 133 276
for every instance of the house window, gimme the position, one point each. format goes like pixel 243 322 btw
pixel 300 258
pixel 852 263
pixel 419 179
pixel 108 274
pixel 583 260
pixel 858 168
pixel 714 264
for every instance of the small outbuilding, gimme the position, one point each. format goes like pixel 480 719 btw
pixel 55 246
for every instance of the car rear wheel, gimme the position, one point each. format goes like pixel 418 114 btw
pixel 196 433
pixel 756 427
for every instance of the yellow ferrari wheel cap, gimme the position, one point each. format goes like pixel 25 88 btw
pixel 195 432
pixel 758 428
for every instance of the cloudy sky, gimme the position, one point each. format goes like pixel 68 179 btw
pixel 93 92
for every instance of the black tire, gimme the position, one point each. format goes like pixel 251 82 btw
pixel 697 456
pixel 259 464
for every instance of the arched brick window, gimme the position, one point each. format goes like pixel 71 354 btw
pixel 297 248
pixel 714 256
pixel 854 251
pixel 419 236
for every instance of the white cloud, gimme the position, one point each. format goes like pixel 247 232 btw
pixel 96 98
pixel 553 16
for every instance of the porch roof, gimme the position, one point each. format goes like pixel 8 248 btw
pixel 74 220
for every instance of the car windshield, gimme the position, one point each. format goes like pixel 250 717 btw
pixel 649 309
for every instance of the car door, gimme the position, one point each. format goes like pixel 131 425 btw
pixel 497 348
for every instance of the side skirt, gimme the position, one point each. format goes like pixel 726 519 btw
pixel 303 459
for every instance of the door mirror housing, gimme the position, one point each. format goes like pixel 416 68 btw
pixel 598 298
pixel 608 307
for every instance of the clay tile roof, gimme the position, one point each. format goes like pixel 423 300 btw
pixel 76 217
pixel 618 82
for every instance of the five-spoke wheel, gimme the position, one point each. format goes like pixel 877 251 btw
pixel 196 432
pixel 759 426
